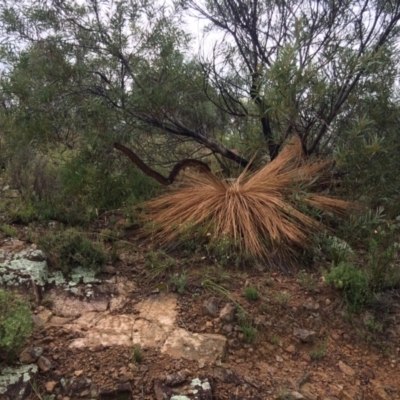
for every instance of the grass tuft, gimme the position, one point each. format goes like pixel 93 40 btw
pixel 264 213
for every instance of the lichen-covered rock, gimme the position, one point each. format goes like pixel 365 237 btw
pixel 15 382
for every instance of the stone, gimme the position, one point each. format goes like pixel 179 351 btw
pixel 379 391
pixel 291 349
pixel 227 329
pixel 225 375
pixel 175 378
pixel 19 270
pixel 210 308
pixel 30 355
pixel 296 396
pixel 109 269
pixel 50 386
pixel 44 364
pixel 309 305
pixel 205 348
pixel 78 385
pixel 346 369
pixel 306 357
pixel 227 314
pixel 304 335
pixel 36 255
pixel 15 382
pixel 149 327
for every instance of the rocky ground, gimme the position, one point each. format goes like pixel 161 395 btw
pixel 123 335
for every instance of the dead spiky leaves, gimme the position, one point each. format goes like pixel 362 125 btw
pixel 260 211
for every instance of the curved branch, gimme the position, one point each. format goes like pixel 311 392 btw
pixel 178 167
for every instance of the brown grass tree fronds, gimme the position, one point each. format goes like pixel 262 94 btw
pixel 261 212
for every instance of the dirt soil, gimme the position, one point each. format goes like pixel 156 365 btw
pixel 348 357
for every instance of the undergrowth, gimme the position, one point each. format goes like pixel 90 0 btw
pixel 15 325
pixel 71 249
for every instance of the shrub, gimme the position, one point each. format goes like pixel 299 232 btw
pixel 353 283
pixel 263 213
pixel 15 325
pixel 71 249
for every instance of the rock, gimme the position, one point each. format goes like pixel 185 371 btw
pixel 379 391
pixel 306 357
pixel 50 386
pixel 15 382
pixel 109 269
pixel 36 255
pixel 347 395
pixel 227 314
pixel 304 335
pixel 204 348
pixel 44 364
pixel 366 375
pixel 279 358
pixel 225 375
pixel 149 327
pixel 162 392
pixel 295 396
pixel 210 308
pixel 201 389
pixel 346 369
pixel 30 355
pixel 176 378
pixel 309 305
pixel 291 349
pixel 227 329
pixel 78 385
pixel 19 270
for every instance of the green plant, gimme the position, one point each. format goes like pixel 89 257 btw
pixel 275 340
pixel 382 252
pixel 320 351
pixel 282 297
pixel 158 263
pixel 248 330
pixel 372 325
pixel 15 325
pixel 9 230
pixel 179 281
pixel 251 293
pixel 137 354
pixel 307 281
pixel 70 249
pixel 353 283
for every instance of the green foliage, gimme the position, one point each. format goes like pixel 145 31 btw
pixel 320 351
pixel 15 325
pixel 70 249
pixel 179 282
pixel 251 293
pixel 248 330
pixel 158 263
pixel 307 281
pixel 137 354
pixel 353 283
pixel 9 230
pixel 382 270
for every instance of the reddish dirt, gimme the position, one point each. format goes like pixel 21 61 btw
pixel 274 364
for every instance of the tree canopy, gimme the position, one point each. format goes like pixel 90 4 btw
pixel 124 71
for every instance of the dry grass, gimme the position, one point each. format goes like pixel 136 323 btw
pixel 260 212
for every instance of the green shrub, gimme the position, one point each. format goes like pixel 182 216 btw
pixel 15 325
pixel 71 249
pixel 251 293
pixel 9 230
pixel 353 283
